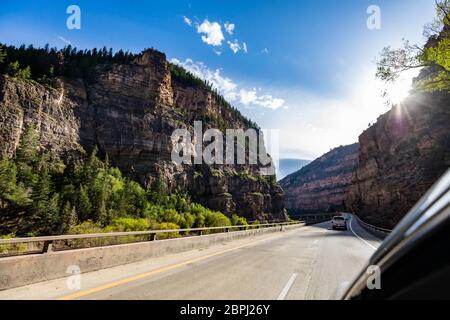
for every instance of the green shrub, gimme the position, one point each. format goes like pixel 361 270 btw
pixel 170 216
pixel 15 71
pixel 199 221
pixel 187 221
pixel 128 224
pixel 168 226
pixel 86 227
pixel 238 221
pixel 216 219
pixel 12 248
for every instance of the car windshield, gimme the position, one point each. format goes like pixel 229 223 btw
pixel 338 218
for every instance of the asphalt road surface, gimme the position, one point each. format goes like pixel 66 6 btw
pixel 312 262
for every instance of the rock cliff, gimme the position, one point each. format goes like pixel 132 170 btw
pixel 400 157
pixel 321 186
pixel 129 111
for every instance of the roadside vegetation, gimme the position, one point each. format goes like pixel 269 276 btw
pixel 50 196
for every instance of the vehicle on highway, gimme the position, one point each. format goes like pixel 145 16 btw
pixel 413 261
pixel 338 222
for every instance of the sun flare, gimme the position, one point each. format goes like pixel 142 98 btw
pixel 398 91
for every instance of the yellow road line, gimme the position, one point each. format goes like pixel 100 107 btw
pixel 110 285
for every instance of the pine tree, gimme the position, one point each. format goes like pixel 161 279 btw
pixel 84 206
pixel 24 73
pixel 158 191
pixel 68 217
pixel 27 156
pixel 13 68
pixel 15 71
pixel 100 196
pixel 2 55
pixel 8 178
pixel 27 151
pixel 44 213
pixel 10 190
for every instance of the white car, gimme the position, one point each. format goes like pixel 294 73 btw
pixel 339 222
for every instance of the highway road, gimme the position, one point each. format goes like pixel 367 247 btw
pixel 312 262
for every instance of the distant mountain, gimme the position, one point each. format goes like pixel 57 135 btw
pixel 288 166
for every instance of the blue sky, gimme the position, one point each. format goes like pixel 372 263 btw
pixel 307 69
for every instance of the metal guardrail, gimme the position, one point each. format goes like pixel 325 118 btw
pixel 318 219
pixel 48 241
pixel 372 227
pixel 314 218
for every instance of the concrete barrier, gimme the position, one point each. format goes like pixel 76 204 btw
pixel 22 270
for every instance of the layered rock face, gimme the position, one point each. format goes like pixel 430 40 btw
pixel 322 185
pixel 400 157
pixel 129 112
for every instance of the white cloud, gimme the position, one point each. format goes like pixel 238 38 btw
pixel 229 27
pixel 225 85
pixel 273 103
pixel 212 33
pixel 265 51
pixel 247 97
pixel 229 89
pixel 187 21
pixel 251 98
pixel 234 46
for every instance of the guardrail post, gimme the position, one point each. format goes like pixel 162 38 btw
pixel 48 247
pixel 153 237
pixel 200 232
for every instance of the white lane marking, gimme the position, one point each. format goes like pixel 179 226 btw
pixel 351 220
pixel 287 287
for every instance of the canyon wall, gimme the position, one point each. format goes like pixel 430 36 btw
pixel 322 185
pixel 129 111
pixel 400 157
